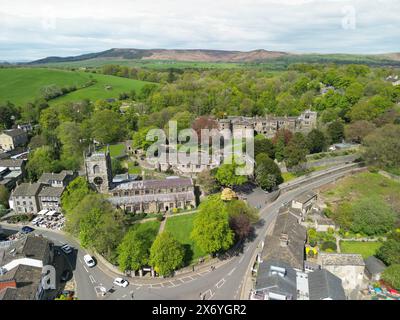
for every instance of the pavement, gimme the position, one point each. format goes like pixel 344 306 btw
pixel 224 282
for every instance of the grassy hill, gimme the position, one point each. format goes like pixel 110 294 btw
pixel 21 85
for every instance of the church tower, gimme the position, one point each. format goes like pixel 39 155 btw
pixel 98 170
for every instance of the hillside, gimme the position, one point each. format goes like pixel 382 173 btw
pixel 22 85
pixel 196 55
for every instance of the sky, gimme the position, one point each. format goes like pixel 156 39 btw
pixel 36 29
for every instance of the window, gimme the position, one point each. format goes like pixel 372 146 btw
pixel 96 169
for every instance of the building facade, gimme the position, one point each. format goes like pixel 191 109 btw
pixel 11 139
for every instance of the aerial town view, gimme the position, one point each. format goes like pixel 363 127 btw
pixel 200 151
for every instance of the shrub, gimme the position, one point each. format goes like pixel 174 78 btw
pixel 329 246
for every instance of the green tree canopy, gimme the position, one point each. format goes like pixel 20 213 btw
pixel 166 254
pixel 211 229
pixel 392 276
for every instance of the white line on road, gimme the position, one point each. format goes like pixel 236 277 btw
pixel 241 259
pixel 80 260
pixel 85 269
pixel 232 271
pixel 92 280
pixel 124 296
pixel 220 283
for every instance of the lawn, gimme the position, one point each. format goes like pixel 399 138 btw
pixel 116 150
pixel 287 176
pixel 22 85
pixel 181 227
pixel 366 249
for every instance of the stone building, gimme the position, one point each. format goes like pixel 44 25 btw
pixel 11 139
pixel 25 198
pixel 268 125
pixel 348 267
pixel 148 196
pixel 58 180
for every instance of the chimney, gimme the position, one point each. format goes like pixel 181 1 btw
pixel 284 240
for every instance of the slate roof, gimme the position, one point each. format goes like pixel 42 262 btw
pixel 46 177
pixel 155 184
pixel 27 189
pixel 11 163
pixel 266 281
pixel 322 284
pixel 374 265
pixel 340 259
pixel 305 197
pixel 27 279
pixel 14 132
pixel 147 198
pixel 293 252
pixel 51 192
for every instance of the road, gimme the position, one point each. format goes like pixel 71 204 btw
pixel 223 283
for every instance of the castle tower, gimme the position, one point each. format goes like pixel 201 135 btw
pixel 98 170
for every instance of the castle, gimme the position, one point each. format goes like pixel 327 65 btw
pixel 268 125
pixel 149 196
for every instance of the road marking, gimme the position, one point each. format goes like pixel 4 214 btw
pixel 80 260
pixel 138 288
pixel 247 249
pixel 92 279
pixel 232 271
pixel 241 259
pixel 220 283
pixel 85 269
pixel 124 296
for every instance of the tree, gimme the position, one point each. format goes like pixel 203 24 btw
pixel 207 182
pixel 380 146
pixel 226 175
pixel 241 226
pixel 264 145
pixel 267 173
pixel 391 275
pixel 335 131
pixel 4 196
pixel 211 230
pixel 166 254
pixel 372 217
pixel 316 141
pixel 296 151
pixel 204 122
pixel 107 126
pixel 74 194
pixel 8 114
pixel 42 160
pixel 357 131
pixel 389 252
pixel 139 139
pixel 134 250
pixel 69 134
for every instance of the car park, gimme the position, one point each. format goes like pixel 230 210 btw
pixel 121 282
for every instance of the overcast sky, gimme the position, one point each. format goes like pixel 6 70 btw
pixel 32 29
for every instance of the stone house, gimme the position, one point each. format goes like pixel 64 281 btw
pixel 11 172
pixel 11 139
pixel 305 202
pixel 348 267
pixel 50 198
pixel 58 180
pixel 24 198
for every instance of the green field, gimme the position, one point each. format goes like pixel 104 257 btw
pixel 181 227
pixel 22 85
pixel 116 150
pixel 366 249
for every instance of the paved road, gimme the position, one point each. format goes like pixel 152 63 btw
pixel 224 282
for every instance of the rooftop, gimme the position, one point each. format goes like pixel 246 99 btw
pixel 374 265
pixel 11 163
pixel 27 189
pixel 340 259
pixel 14 132
pixel 26 283
pixel 305 197
pixel 46 177
pixel 51 192
pixel 146 198
pixel 322 284
pixel 155 184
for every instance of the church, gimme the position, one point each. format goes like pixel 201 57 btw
pixel 137 196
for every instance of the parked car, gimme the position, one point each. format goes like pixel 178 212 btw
pixel 65 276
pixel 89 261
pixel 121 282
pixel 27 229
pixel 37 220
pixel 66 249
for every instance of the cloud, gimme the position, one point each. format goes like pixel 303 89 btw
pixel 34 29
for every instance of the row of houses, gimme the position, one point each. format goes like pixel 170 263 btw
pixel 283 272
pixel 45 194
pixel 13 138
pixel 12 171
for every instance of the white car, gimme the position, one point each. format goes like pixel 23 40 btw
pixel 66 249
pixel 121 282
pixel 89 261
